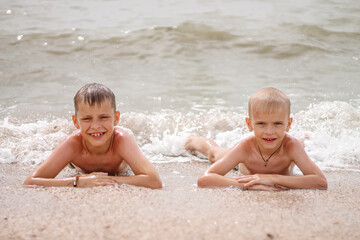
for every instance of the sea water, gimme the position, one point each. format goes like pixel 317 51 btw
pixel 180 67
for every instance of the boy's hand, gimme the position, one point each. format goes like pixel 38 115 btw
pixel 95 179
pixel 258 182
pixel 261 187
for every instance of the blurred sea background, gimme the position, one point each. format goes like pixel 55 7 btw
pixel 180 67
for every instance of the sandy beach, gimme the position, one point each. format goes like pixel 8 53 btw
pixel 180 210
pixel 176 68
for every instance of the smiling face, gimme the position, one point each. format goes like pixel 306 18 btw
pixel 269 118
pixel 269 128
pixel 96 123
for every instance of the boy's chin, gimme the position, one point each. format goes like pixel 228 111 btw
pixel 270 144
pixel 96 141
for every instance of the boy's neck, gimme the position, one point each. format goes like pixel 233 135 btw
pixel 267 152
pixel 271 153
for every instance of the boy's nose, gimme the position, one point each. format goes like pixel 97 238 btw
pixel 269 130
pixel 95 124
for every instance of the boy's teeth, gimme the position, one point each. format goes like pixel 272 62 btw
pixel 97 134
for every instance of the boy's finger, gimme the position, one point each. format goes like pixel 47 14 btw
pixel 105 183
pixel 245 179
pixel 251 183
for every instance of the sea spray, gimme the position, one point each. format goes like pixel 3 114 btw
pixel 330 131
pixel 31 142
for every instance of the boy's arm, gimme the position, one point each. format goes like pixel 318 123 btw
pixel 312 177
pixel 215 175
pixel 44 174
pixel 145 173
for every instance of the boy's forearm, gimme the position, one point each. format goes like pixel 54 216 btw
pixel 141 180
pixel 301 182
pixel 216 180
pixel 50 182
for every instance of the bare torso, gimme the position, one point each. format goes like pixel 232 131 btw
pixel 109 162
pixel 279 163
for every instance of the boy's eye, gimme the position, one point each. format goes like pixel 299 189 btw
pixel 278 123
pixel 104 117
pixel 86 119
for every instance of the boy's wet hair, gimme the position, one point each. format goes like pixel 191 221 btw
pixel 94 93
pixel 269 100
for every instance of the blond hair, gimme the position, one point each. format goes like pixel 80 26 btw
pixel 94 93
pixel 269 100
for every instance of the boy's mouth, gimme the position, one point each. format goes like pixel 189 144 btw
pixel 96 135
pixel 269 139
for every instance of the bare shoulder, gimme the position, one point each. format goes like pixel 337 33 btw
pixel 246 144
pixel 121 134
pixel 125 146
pixel 67 151
pixel 244 148
pixel 292 144
pixel 291 141
pixel 123 140
pixel 73 141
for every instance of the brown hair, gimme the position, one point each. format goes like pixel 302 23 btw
pixel 94 93
pixel 269 100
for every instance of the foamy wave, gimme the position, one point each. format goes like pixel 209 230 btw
pixel 331 131
pixel 159 125
pixel 31 142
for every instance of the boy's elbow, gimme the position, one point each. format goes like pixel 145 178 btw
pixel 323 184
pixel 156 183
pixel 202 181
pixel 320 183
pixel 27 181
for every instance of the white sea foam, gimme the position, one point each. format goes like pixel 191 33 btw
pixel 30 142
pixel 331 132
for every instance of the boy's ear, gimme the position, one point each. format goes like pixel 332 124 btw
pixel 289 124
pixel 117 118
pixel 248 123
pixel 75 121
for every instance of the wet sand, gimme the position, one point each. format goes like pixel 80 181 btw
pixel 180 210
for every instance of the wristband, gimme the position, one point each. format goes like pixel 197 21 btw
pixel 76 179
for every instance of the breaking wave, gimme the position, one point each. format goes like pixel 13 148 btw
pixel 331 131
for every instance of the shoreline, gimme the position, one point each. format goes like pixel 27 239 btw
pixel 180 210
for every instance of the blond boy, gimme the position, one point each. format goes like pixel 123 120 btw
pixel 98 148
pixel 267 158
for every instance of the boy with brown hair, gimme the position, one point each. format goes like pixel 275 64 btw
pixel 267 158
pixel 99 148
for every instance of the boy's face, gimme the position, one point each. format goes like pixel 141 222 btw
pixel 269 128
pixel 96 123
